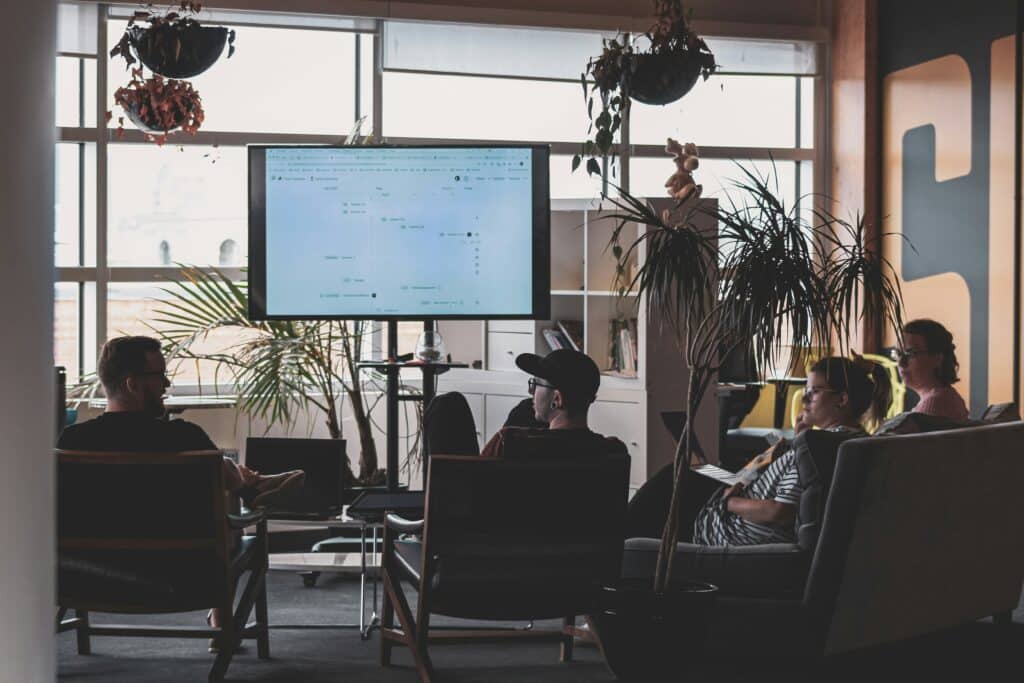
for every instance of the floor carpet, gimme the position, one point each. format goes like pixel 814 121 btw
pixel 977 652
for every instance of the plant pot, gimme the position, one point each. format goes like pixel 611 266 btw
pixel 201 47
pixel 663 78
pixel 644 634
pixel 146 124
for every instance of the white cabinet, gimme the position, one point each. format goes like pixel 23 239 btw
pixel 503 347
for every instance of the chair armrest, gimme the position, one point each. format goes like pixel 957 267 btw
pixel 403 525
pixel 246 518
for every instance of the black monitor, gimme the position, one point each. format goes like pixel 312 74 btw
pixel 388 232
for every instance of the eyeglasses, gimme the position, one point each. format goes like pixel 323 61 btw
pixel 154 373
pixel 532 385
pixel 904 356
pixel 810 393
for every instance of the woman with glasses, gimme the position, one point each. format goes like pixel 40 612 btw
pixel 928 365
pixel 841 395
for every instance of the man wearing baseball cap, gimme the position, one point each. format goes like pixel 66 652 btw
pixel 552 423
pixel 563 384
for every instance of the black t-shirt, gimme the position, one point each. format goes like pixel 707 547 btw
pixel 135 431
pixel 551 443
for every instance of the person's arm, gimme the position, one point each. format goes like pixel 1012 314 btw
pixel 494 446
pixel 770 512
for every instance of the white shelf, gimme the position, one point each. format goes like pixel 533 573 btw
pixel 567 292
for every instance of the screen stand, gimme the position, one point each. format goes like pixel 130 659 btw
pixel 392 407
pixel 391 366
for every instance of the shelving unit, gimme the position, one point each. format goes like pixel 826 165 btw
pixel 582 284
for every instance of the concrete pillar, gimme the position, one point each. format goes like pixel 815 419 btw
pixel 27 611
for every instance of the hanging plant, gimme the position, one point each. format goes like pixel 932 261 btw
pixel 663 73
pixel 159 106
pixel 172 43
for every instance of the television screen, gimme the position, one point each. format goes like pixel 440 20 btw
pixel 399 232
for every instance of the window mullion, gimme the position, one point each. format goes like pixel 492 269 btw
pixel 101 182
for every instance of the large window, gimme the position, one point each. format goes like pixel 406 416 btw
pixel 128 211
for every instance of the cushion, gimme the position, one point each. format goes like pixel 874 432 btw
pixel 776 570
pixel 919 423
pixel 1001 412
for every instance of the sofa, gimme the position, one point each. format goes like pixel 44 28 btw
pixel 898 536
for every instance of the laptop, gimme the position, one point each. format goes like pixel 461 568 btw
pixel 321 496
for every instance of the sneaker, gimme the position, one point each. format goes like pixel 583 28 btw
pixel 271 486
pixel 214 646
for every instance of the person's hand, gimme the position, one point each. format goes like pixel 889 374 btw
pixel 801 422
pixel 732 490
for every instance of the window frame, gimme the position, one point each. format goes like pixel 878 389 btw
pixel 94 314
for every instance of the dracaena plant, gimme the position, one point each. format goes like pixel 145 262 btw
pixel 773 276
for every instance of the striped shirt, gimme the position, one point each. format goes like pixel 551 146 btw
pixel 780 481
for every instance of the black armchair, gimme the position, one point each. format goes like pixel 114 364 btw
pixel 504 539
pixel 150 534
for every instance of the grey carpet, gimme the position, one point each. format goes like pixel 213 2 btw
pixel 974 652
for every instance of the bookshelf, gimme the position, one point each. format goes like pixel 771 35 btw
pixel 583 290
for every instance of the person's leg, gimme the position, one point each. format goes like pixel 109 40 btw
pixel 448 426
pixel 648 509
pixel 233 477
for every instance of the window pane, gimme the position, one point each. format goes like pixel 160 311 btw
pixel 69 92
pixel 724 111
pixel 807 113
pixel 67 196
pixel 569 184
pixel 132 309
pixel 366 81
pixel 475 108
pixel 177 205
pixel 717 176
pixel 66 328
pixel 278 81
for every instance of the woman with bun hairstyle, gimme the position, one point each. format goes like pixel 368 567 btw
pixel 928 365
pixel 842 395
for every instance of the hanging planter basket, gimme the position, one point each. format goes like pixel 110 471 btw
pixel 179 50
pixel 663 78
pixel 158 107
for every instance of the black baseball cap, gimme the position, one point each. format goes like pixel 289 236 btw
pixel 571 372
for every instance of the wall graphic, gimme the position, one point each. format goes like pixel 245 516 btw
pixel 948 154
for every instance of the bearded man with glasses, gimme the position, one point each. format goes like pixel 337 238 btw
pixel 134 377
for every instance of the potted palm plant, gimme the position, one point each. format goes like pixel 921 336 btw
pixel 784 276
pixel 670 66
pixel 280 369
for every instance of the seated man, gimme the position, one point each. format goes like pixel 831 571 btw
pixel 563 385
pixel 133 373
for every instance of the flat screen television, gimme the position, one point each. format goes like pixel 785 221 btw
pixel 389 232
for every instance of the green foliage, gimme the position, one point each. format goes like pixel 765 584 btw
pixel 280 369
pixel 773 277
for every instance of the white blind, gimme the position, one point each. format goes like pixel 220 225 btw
pixel 76 29
pixel 488 50
pixel 559 54
pixel 744 55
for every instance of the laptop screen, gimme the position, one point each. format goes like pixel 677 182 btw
pixel 321 459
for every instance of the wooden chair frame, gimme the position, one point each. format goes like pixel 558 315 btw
pixel 415 632
pixel 254 591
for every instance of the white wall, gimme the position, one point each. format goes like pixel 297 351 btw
pixel 27 612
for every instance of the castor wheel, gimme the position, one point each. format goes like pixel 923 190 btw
pixel 309 578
